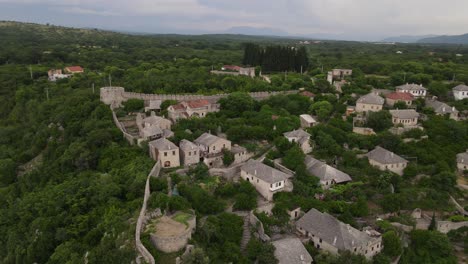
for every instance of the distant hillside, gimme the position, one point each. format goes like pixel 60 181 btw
pixel 407 38
pixel 456 39
pixel 256 31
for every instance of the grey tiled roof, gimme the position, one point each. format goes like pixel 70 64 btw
pixel 461 87
pixel 404 113
pixel 325 172
pixel 371 98
pixel 186 145
pixel 238 149
pixel 207 139
pixel 291 251
pixel 410 87
pixel 162 144
pixel 332 231
pixel 440 107
pixel 462 158
pixel 384 156
pixel 297 133
pixel 264 172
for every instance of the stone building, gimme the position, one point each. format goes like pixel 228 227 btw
pixel 417 90
pixel 240 154
pixel 307 121
pixel 291 251
pixel 460 92
pixel 462 161
pixel 74 69
pixel 300 137
pixel 405 117
pixel 386 160
pixel 328 233
pixel 193 108
pixel 442 109
pixel 189 153
pixel 328 175
pixel 267 180
pixel 393 98
pixel 153 127
pixel 369 102
pixel 211 148
pixel 338 74
pixel 165 151
pixel 169 235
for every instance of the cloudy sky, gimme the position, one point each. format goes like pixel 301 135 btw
pixel 347 19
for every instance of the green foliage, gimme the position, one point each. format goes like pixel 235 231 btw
pixel 197 256
pixel 200 199
pixel 133 105
pixel 7 171
pixel 322 109
pixel 294 158
pixel 228 157
pixel 392 244
pixel 262 253
pixel 379 121
pixel 276 58
pixel 246 197
pixel 428 247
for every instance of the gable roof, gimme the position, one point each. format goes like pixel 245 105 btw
pixel 291 251
pixel 332 231
pixel 325 172
pixel 207 139
pixel 186 145
pixel 197 103
pixel 238 149
pixel 299 133
pixel 308 118
pixel 440 107
pixel 384 156
pixel 411 87
pixel 462 158
pixel 264 172
pixel 371 98
pixel 74 68
pixel 154 120
pixel 404 113
pixel 163 144
pixel 461 87
pixel 307 93
pixel 400 96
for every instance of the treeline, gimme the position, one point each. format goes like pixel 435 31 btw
pixel 276 58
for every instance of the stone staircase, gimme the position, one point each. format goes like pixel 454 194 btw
pixel 246 233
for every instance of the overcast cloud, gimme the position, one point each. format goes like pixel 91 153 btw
pixel 350 19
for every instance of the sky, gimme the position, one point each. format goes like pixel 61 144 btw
pixel 341 19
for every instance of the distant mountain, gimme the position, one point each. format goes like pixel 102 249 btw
pixel 455 39
pixel 256 31
pixel 407 38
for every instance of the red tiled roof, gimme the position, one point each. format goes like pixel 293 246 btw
pixel 231 67
pixel 307 93
pixel 197 103
pixel 400 96
pixel 75 68
pixel 178 106
pixel 274 117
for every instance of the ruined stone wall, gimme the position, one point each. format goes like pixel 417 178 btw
pixel 446 226
pixel 174 243
pixel 131 139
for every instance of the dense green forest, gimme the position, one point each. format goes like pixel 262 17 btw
pixel 276 58
pixel 71 187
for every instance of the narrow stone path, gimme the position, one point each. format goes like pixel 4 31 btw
pixel 246 233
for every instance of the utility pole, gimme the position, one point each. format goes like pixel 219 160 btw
pixel 301 69
pixel 110 81
pixel 93 88
pixel 30 71
pixel 404 78
pixel 453 78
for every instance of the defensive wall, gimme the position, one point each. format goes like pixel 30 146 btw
pixel 114 96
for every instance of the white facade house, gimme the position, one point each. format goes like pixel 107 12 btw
pixel 462 161
pixel 307 121
pixel 405 117
pixel 211 148
pixel 417 90
pixel 369 102
pixel 267 180
pixel 327 233
pixel 300 137
pixel 189 153
pixel 328 175
pixel 460 92
pixel 386 160
pixel 442 109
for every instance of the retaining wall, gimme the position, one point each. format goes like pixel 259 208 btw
pixel 131 139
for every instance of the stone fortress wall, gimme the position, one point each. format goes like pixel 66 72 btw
pixel 114 96
pixel 176 242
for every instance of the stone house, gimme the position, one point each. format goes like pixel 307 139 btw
pixel 460 92
pixel 153 127
pixel 189 153
pixel 326 232
pixel 193 108
pixel 300 137
pixel 462 161
pixel 405 117
pixel 338 74
pixel 442 109
pixel 56 74
pixel 307 121
pixel 211 148
pixel 153 105
pixel 307 94
pixel 266 180
pixel 240 154
pixel 386 160
pixel 291 251
pixel 369 102
pixel 393 98
pixel 164 151
pixel 328 175
pixel 417 90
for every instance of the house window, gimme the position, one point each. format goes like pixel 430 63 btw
pixel 257 180
pixel 224 145
pixel 271 185
pixel 366 251
pixel 214 147
pixel 320 240
pixel 165 154
pixel 190 153
pixel 355 249
pixel 195 153
pixel 173 153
